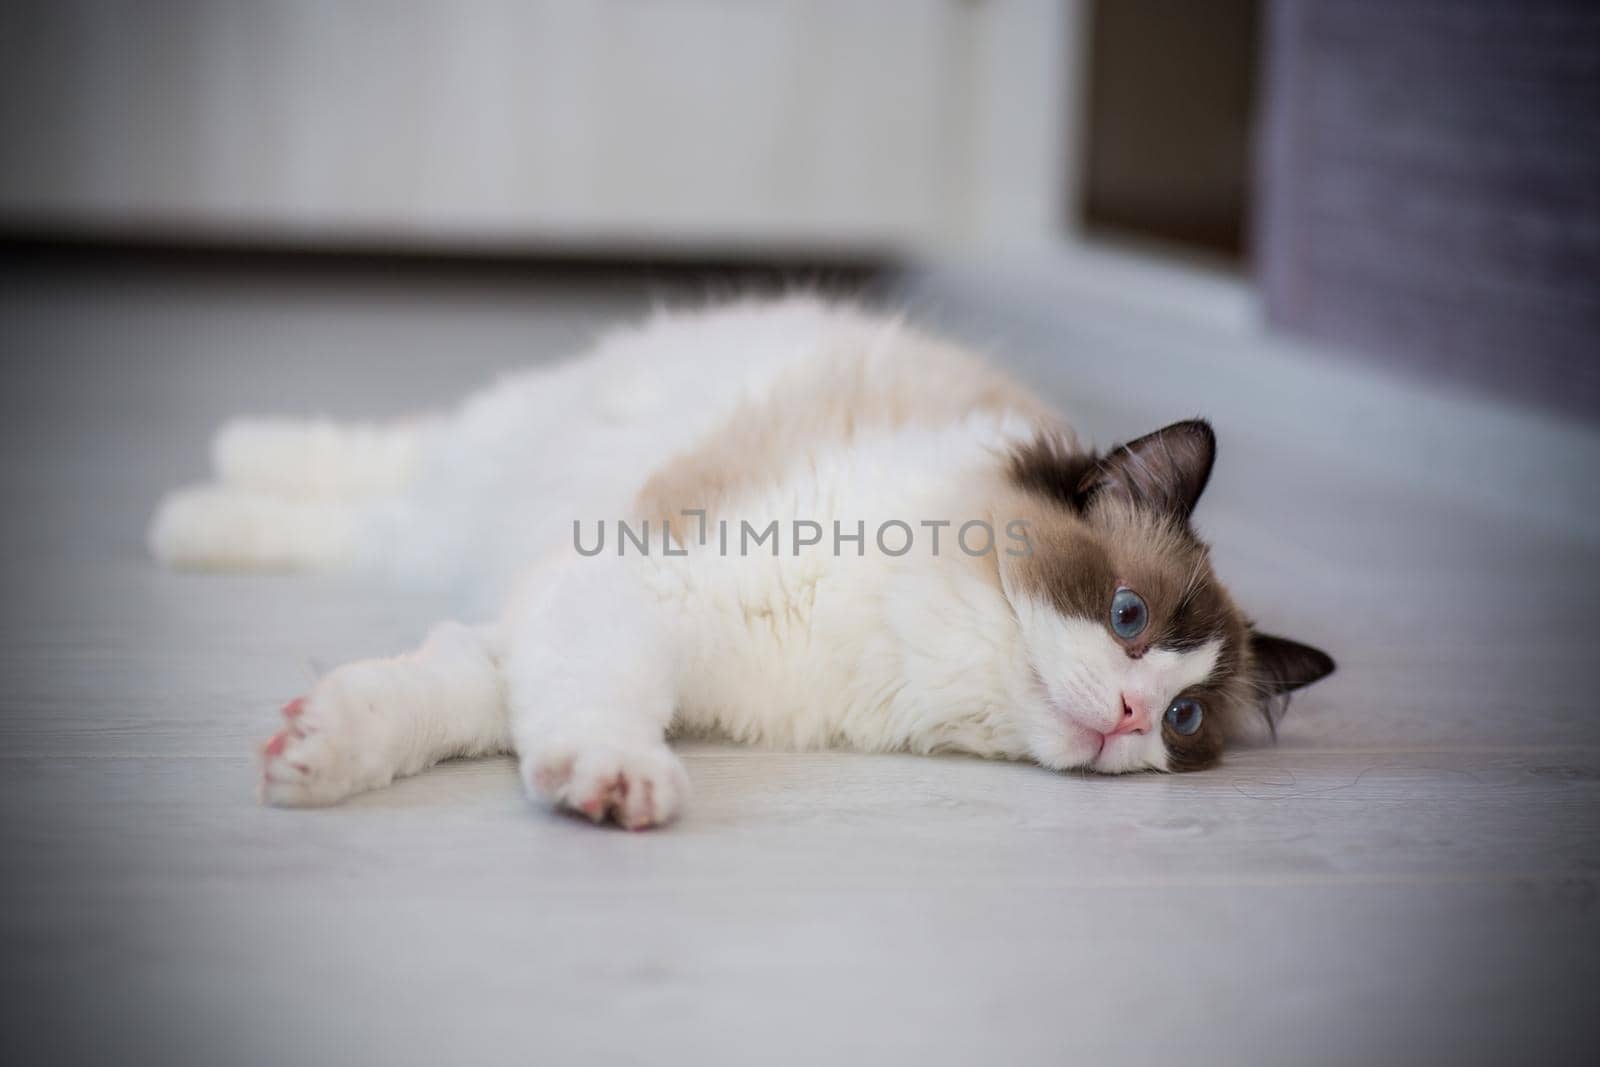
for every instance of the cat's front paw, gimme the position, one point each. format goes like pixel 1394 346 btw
pixel 330 746
pixel 638 786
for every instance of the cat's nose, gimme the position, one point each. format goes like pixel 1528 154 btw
pixel 1135 716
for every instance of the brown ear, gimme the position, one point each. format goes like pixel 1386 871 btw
pixel 1282 665
pixel 1166 470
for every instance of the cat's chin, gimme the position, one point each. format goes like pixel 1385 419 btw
pixel 1066 745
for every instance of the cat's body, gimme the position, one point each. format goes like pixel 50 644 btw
pixel 875 541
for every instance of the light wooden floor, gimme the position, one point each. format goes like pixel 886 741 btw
pixel 1408 875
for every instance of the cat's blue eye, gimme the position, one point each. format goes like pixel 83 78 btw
pixel 1129 616
pixel 1185 716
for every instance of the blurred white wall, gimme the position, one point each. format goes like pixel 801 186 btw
pixel 695 125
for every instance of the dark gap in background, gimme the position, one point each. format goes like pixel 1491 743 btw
pixel 1172 89
pixel 185 255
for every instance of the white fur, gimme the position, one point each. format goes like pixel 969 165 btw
pixel 227 527
pixel 319 457
pixel 596 660
pixel 369 722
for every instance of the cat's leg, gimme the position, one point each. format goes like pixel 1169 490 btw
pixel 320 457
pixel 219 527
pixel 591 691
pixel 290 494
pixel 370 722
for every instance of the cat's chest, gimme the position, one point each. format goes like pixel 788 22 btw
pixel 871 616
pixel 874 652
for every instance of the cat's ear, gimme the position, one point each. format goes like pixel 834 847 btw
pixel 1166 470
pixel 1282 665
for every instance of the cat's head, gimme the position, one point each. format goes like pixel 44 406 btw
pixel 1142 658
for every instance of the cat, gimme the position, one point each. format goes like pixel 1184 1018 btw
pixel 789 522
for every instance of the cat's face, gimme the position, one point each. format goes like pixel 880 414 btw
pixel 1142 659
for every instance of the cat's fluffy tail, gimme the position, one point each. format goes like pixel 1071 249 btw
pixel 289 494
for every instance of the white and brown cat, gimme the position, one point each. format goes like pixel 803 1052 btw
pixel 791 523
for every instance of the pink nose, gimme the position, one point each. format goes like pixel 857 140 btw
pixel 1135 717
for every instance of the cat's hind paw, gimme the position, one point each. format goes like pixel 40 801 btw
pixel 637 786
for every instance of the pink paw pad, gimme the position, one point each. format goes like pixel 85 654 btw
pixel 274 747
pixel 295 708
pixel 607 799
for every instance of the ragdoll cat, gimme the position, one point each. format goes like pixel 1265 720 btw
pixel 791 523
